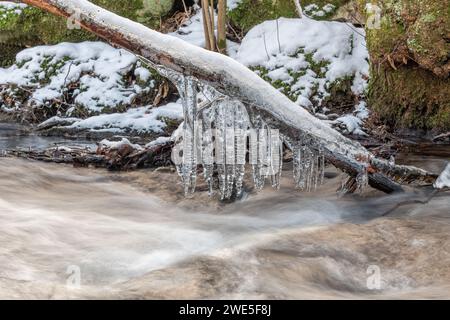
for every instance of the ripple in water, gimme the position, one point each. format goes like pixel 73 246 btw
pixel 133 235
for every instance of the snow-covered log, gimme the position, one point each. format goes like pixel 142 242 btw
pixel 232 79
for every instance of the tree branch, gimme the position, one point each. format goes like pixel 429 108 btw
pixel 232 79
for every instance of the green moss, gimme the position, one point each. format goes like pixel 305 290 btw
pixel 409 53
pixel 410 98
pixel 340 95
pixel 249 13
pixel 319 67
pixel 34 26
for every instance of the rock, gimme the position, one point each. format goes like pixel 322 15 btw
pixel 409 51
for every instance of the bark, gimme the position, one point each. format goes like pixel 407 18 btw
pixel 208 22
pixel 233 79
pixel 221 26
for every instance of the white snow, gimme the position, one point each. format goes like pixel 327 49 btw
pixel 96 66
pixel 114 145
pixel 158 141
pixel 232 4
pixel 8 5
pixel 233 75
pixel 361 110
pixel 443 181
pixel 353 122
pixel 284 49
pixel 8 8
pixel 328 7
pixel 141 120
pixel 313 10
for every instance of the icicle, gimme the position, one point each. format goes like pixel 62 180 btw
pixel 242 124
pixel 347 185
pixel 230 122
pixel 187 169
pixel 362 180
pixel 208 148
pixel 321 166
pixel 308 164
pixel 276 158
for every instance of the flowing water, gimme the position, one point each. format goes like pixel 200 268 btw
pixel 88 233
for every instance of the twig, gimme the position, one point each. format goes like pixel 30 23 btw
pixel 185 8
pixel 278 37
pixel 265 46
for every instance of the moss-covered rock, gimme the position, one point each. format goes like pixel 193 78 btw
pixel 410 54
pixel 249 13
pixel 410 97
pixel 31 26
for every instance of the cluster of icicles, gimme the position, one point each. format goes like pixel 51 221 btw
pixel 195 146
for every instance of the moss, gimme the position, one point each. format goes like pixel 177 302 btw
pixel 319 67
pixel 34 26
pixel 340 95
pixel 249 13
pixel 410 53
pixel 410 97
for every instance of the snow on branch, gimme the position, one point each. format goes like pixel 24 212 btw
pixel 230 78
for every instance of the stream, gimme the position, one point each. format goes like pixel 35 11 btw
pixel 90 233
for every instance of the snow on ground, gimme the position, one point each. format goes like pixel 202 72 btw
pixel 8 9
pixel 140 120
pixel 314 11
pixel 352 123
pixel 158 141
pixel 114 145
pixel 291 49
pixel 98 68
pixel 232 4
pixel 303 57
pixel 8 5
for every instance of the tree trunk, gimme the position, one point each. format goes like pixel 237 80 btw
pixel 231 78
pixel 221 26
pixel 208 26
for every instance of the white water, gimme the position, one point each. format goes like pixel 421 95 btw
pixel 134 235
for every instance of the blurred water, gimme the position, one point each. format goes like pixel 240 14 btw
pixel 133 235
pixel 15 136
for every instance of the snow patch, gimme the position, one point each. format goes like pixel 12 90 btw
pixel 141 120
pixel 98 68
pixel 8 8
pixel 290 49
pixel 114 145
pixel 313 10
pixel 353 122
pixel 158 141
pixel 8 5
pixel 232 4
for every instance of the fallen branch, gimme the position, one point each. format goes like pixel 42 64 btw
pixel 123 158
pixel 231 78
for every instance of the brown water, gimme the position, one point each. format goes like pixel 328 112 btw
pixel 133 235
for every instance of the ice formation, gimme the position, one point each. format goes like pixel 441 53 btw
pixel 219 136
